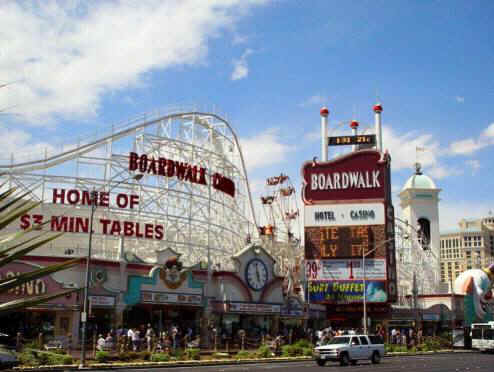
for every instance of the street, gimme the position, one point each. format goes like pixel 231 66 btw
pixel 454 362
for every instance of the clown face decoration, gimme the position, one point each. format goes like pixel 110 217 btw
pixel 476 285
pixel 172 273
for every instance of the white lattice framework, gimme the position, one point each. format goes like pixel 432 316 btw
pixel 412 259
pixel 196 218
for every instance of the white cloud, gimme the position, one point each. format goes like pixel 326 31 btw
pixel 21 143
pixel 240 67
pixel 66 55
pixel 316 99
pixel 239 39
pixel 402 148
pixel 474 164
pixel 460 99
pixel 451 212
pixel 466 146
pixel 489 131
pixel 440 172
pixel 264 149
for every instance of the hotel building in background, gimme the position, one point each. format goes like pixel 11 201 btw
pixel 469 246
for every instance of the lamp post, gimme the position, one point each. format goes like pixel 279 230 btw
pixel 84 315
pixel 365 254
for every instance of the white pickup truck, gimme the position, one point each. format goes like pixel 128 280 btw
pixel 349 349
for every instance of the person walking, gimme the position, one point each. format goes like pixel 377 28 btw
pixel 149 337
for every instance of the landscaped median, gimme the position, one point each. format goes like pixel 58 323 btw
pixel 214 359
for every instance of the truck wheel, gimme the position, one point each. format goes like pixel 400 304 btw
pixel 353 362
pixel 376 358
pixel 344 359
pixel 320 362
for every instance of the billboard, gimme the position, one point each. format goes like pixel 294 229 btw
pixel 359 175
pixel 347 292
pixel 328 270
pixel 344 241
pixel 344 214
pixel 348 213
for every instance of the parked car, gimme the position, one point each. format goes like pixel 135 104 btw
pixel 349 349
pixel 8 359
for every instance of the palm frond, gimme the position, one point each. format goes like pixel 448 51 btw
pixel 12 282
pixel 29 302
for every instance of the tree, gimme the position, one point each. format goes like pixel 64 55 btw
pixel 16 245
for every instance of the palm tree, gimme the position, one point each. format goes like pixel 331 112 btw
pixel 14 246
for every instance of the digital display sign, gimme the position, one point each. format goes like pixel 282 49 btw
pixel 347 292
pixel 344 241
pixel 346 269
pixel 363 139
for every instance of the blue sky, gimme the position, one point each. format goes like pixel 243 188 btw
pixel 75 67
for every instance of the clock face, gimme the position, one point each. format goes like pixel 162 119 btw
pixel 256 274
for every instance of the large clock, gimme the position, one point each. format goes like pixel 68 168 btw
pixel 256 274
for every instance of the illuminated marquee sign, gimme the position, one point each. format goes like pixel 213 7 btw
pixel 359 175
pixel 347 292
pixel 344 214
pixel 344 241
pixel 350 269
pixel 183 171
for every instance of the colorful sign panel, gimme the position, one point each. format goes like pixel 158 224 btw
pixel 347 292
pixel 329 270
pixel 344 241
pixel 344 214
pixel 171 298
pixel 103 301
pixel 246 307
pixel 359 175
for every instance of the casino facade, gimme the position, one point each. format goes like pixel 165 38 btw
pixel 168 193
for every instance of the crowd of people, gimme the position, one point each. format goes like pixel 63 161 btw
pixel 143 338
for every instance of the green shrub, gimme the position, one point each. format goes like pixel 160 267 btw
pixel 243 354
pixel 264 352
pixel 28 358
pixel 102 356
pixel 194 354
pixel 144 355
pixel 160 357
pixel 307 351
pixel 291 351
pixel 304 343
pixel 67 359
pixel 178 354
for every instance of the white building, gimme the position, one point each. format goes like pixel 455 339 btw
pixel 418 237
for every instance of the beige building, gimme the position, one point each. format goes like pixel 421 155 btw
pixel 470 246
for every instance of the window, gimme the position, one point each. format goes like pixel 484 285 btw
pixel 376 340
pixel 424 232
pixel 355 341
pixel 363 340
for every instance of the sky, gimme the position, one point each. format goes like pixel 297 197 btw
pixel 73 67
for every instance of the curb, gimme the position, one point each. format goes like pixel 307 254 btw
pixel 179 363
pixel 425 353
pixel 216 362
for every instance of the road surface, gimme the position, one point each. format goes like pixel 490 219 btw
pixel 451 362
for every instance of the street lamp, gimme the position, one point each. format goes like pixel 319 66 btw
pixel 94 195
pixel 365 254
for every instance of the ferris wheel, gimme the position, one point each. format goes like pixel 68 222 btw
pixel 280 212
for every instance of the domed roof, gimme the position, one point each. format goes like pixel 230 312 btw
pixel 419 180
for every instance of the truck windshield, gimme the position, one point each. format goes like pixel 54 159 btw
pixel 339 340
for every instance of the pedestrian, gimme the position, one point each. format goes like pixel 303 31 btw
pixel 100 344
pixel 149 337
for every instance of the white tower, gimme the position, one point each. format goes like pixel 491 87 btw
pixel 419 201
